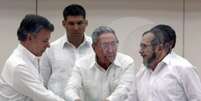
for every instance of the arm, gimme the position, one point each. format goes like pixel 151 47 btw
pixel 27 83
pixel 191 83
pixel 132 95
pixel 74 85
pixel 121 91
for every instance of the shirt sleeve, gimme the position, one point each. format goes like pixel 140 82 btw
pixel 74 85
pixel 45 68
pixel 191 83
pixel 121 91
pixel 29 84
pixel 132 95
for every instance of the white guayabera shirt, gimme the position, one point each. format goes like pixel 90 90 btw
pixel 58 61
pixel 99 84
pixel 21 81
pixel 174 79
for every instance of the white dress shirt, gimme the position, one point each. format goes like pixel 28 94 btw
pixel 99 84
pixel 58 61
pixel 174 79
pixel 20 79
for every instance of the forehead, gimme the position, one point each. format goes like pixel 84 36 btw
pixel 147 38
pixel 106 37
pixel 74 18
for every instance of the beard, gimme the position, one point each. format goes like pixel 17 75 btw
pixel 149 60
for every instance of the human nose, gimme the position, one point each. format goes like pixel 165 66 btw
pixel 76 26
pixel 141 51
pixel 110 48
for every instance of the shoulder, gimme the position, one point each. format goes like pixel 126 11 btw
pixel 86 62
pixel 123 59
pixel 58 41
pixel 180 62
pixel 15 64
pixel 16 58
pixel 55 46
pixel 182 66
pixel 88 40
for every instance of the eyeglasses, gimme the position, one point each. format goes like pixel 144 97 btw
pixel 143 46
pixel 112 45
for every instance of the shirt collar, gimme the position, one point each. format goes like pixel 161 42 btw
pixel 28 53
pixel 167 58
pixel 65 42
pixel 165 61
pixel 116 63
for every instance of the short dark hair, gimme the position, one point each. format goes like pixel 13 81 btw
pixel 32 24
pixel 166 29
pixel 74 10
pixel 160 38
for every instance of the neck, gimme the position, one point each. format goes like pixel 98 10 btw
pixel 103 65
pixel 75 40
pixel 28 47
pixel 154 64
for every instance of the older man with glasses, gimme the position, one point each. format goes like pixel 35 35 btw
pixel 105 76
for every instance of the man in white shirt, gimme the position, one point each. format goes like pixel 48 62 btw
pixel 20 77
pixel 165 76
pixel 105 76
pixel 58 61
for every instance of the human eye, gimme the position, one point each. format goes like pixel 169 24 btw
pixel 113 43
pixel 45 41
pixel 80 22
pixel 70 23
pixel 143 46
pixel 104 45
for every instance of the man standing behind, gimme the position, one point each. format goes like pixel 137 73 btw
pixel 105 76
pixel 20 77
pixel 58 61
pixel 165 76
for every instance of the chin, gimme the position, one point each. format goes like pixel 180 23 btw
pixel 111 60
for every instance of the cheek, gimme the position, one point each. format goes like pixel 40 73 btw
pixel 83 28
pixel 100 53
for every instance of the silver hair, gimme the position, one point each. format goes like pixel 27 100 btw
pixel 101 30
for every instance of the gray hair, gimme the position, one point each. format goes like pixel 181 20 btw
pixel 101 30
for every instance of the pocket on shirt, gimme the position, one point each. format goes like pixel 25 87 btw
pixel 170 86
pixel 89 85
pixel 114 84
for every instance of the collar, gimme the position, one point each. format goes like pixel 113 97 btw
pixel 30 55
pixel 116 63
pixel 164 62
pixel 65 42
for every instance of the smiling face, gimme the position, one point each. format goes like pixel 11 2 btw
pixel 75 25
pixel 106 48
pixel 38 44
